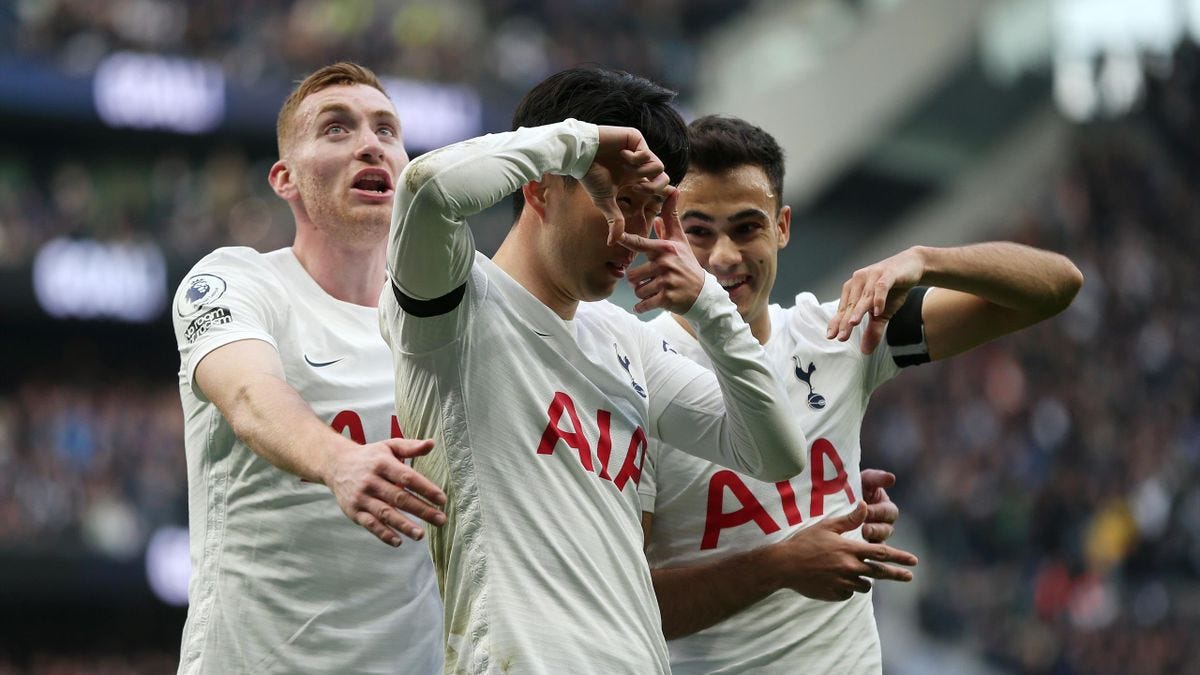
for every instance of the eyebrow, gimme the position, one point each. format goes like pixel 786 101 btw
pixel 740 215
pixel 342 108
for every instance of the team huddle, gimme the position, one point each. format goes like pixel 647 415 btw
pixel 600 494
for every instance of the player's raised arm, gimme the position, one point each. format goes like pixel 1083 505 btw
pixel 430 249
pixel 737 415
pixel 982 291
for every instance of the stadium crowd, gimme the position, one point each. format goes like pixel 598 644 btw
pixel 514 42
pixel 187 205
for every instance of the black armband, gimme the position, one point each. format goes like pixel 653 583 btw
pixel 906 331
pixel 426 308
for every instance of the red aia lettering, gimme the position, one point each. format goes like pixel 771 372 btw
pixel 349 420
pixel 787 497
pixel 630 471
pixel 821 487
pixel 717 520
pixel 631 468
pixel 574 438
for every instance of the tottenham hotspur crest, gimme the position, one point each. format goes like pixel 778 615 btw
pixel 815 400
pixel 624 361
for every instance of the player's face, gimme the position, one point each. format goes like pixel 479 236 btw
pixel 736 230
pixel 576 238
pixel 345 159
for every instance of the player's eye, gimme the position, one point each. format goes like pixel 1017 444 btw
pixel 334 129
pixel 386 131
pixel 697 231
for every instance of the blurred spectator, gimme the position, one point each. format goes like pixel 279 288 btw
pixel 187 206
pixel 513 42
pixel 1059 466
pixel 89 463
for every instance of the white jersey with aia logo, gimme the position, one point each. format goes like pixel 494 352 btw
pixel 704 512
pixel 282 581
pixel 542 424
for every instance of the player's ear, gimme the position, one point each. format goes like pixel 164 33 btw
pixel 784 224
pixel 534 193
pixel 281 180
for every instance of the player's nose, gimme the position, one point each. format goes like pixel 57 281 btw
pixel 724 254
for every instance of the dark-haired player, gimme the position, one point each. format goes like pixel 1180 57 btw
pixel 541 396
pixel 743 567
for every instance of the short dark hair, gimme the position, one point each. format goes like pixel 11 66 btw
pixel 720 143
pixel 611 97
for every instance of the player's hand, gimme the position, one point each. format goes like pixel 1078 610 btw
pixel 882 512
pixel 875 292
pixel 671 279
pixel 623 160
pixel 373 486
pixel 819 563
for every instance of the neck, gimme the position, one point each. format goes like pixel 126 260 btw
pixel 520 259
pixel 353 273
pixel 760 327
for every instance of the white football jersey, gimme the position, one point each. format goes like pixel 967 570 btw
pixel 541 424
pixel 704 512
pixel 282 581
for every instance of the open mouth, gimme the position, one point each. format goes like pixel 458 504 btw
pixel 732 284
pixel 373 181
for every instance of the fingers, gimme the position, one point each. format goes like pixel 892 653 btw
pixel 873 335
pixel 877 533
pixel 883 511
pixel 616 221
pixel 402 475
pixel 865 294
pixel 873 479
pixel 405 448
pixel 667 225
pixel 877 570
pixel 847 522
pixel 887 554
pixel 642 162
pixel 640 244
pixel 387 524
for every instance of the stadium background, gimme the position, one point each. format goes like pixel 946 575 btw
pixel 1048 481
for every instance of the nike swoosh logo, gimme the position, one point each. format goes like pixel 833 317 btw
pixel 314 364
pixel 538 332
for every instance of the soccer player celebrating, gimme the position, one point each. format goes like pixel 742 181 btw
pixel 541 400
pixel 735 557
pixel 280 356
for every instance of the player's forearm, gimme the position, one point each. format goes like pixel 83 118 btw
pixel 430 248
pixel 762 433
pixel 1022 278
pixel 695 597
pixel 273 421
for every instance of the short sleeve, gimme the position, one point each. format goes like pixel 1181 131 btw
pixel 230 295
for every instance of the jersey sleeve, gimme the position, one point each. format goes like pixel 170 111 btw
pixel 430 248
pixel 736 415
pixel 229 295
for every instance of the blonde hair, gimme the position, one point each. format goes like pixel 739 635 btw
pixel 332 75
